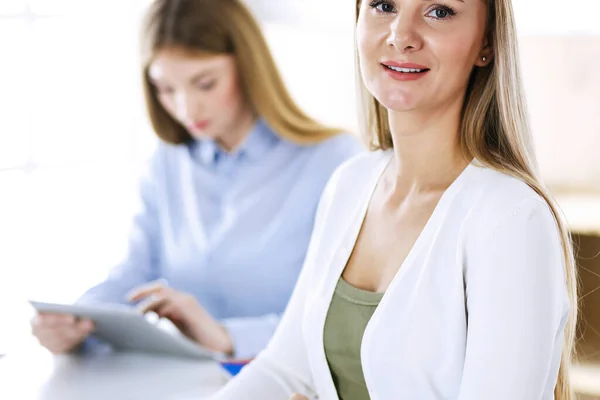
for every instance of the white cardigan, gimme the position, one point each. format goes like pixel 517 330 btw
pixel 476 311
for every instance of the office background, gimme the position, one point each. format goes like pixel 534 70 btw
pixel 74 136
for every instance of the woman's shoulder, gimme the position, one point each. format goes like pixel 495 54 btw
pixel 353 173
pixel 338 147
pixel 495 197
pixel 164 160
pixel 348 188
pixel 503 188
pixel 353 180
pixel 165 154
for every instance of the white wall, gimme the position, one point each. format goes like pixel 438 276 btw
pixel 562 83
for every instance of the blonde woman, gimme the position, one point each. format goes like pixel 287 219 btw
pixel 439 267
pixel 229 202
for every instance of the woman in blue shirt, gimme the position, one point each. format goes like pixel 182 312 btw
pixel 228 203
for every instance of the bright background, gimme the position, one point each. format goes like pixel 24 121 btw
pixel 73 133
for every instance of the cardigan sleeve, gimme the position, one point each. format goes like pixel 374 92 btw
pixel 517 307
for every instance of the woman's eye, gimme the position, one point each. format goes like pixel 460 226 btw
pixel 385 7
pixel 382 6
pixel 206 85
pixel 441 13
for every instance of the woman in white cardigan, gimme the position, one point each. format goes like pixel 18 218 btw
pixel 439 267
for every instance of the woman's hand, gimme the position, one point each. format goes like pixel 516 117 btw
pixel 60 333
pixel 186 314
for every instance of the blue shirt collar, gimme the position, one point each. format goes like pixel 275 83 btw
pixel 258 142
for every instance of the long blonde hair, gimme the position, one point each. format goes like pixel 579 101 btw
pixel 496 132
pixel 223 27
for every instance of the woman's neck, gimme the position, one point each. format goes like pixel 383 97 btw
pixel 231 140
pixel 427 151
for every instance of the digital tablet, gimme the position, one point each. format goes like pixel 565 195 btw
pixel 126 329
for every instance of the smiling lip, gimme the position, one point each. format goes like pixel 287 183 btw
pixel 200 125
pixel 412 71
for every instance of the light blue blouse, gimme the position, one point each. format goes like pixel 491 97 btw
pixel 230 228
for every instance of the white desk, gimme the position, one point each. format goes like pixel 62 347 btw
pixel 36 375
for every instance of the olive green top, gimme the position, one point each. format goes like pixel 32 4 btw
pixel 349 312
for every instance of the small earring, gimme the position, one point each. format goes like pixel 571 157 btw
pixel 484 58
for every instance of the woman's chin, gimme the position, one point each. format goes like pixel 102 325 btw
pixel 402 103
pixel 200 134
pixel 400 107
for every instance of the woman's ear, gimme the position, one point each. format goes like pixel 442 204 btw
pixel 484 58
pixel 486 54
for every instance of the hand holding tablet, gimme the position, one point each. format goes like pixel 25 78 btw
pixel 125 328
pixel 60 333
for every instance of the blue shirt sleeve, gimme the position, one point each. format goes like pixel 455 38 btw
pixel 140 264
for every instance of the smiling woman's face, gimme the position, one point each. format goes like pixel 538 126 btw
pixel 419 54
